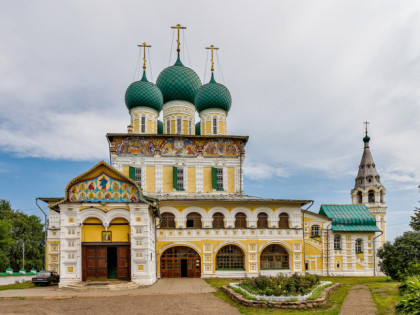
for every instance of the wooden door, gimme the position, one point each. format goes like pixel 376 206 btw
pixel 94 260
pixel 123 262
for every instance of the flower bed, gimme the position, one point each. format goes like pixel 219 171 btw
pixel 280 285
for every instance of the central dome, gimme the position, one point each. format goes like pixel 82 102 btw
pixel 178 83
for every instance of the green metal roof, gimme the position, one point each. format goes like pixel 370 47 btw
pixel 178 83
pixel 213 95
pixel 350 218
pixel 143 94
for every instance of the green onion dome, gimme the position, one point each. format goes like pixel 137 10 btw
pixel 213 95
pixel 160 127
pixel 366 139
pixel 143 93
pixel 178 83
pixel 198 128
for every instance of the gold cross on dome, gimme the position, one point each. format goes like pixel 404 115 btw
pixel 144 45
pixel 179 27
pixel 212 59
pixel 366 126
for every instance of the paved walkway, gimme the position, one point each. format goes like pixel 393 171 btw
pixel 162 286
pixel 358 301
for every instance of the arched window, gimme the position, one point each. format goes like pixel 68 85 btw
pixel 240 220
pixel 230 257
pixel 359 246
pixel 315 231
pixel 194 220
pixel 274 257
pixel 371 196
pixel 218 220
pixel 382 196
pixel 167 221
pixel 284 220
pixel 262 221
pixel 337 242
pixel 359 197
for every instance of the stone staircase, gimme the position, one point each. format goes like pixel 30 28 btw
pixel 86 286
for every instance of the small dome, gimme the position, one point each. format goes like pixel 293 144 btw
pixel 178 83
pixel 198 128
pixel 213 95
pixel 160 127
pixel 366 139
pixel 143 93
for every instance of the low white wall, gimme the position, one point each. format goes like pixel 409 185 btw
pixel 12 279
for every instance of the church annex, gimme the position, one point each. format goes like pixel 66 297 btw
pixel 171 201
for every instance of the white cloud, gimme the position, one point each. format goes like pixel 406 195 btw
pixel 303 76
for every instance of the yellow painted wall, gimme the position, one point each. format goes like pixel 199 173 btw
pixel 208 128
pixel 150 126
pixel 126 170
pixel 92 233
pixel 230 179
pixel 173 126
pixel 207 184
pixel 167 179
pixel 191 180
pixel 120 233
pixel 136 125
pixel 336 260
pixel 150 179
pixel 185 127
pixel 221 128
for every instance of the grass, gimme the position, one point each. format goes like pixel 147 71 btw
pixel 384 294
pixel 23 285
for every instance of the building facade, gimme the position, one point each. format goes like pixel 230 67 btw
pixel 171 204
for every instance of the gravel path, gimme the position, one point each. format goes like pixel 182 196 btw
pixel 358 301
pixel 182 304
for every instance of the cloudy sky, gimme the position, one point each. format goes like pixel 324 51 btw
pixel 304 76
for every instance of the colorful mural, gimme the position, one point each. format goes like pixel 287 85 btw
pixel 103 189
pixel 224 148
pixel 180 147
pixel 136 146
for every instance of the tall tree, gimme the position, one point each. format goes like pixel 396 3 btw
pixel 5 244
pixel 26 232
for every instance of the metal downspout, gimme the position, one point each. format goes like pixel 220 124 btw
pixel 45 227
pixel 328 249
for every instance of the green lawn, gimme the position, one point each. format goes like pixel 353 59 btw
pixel 384 293
pixel 23 285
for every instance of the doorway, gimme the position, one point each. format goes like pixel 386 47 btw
pixel 180 261
pixel 184 268
pixel 112 262
pixel 102 262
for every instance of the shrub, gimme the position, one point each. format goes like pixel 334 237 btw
pixel 409 302
pixel 280 284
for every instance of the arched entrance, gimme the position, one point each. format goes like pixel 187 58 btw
pixel 180 261
pixel 105 252
pixel 274 257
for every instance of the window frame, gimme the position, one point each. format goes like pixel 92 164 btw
pixel 218 220
pixel 143 124
pixel 262 220
pixel 284 215
pixel 230 257
pixel 138 175
pixel 167 221
pixel 194 221
pixel 240 222
pixel 214 123
pixel 337 242
pixel 168 126
pixel 358 246
pixel 178 125
pixel 315 229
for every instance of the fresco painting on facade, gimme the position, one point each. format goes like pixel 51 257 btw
pixel 104 189
pixel 224 148
pixel 178 147
pixel 136 146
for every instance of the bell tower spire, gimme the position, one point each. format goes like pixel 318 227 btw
pixel 368 189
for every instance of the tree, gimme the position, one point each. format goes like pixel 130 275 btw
pixel 415 220
pixel 5 244
pixel 396 258
pixel 27 230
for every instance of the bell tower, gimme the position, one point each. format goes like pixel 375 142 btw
pixel 368 189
